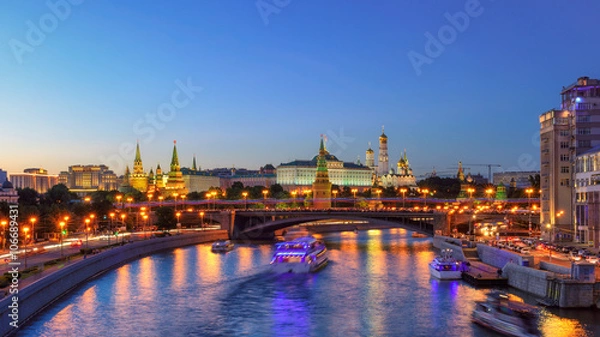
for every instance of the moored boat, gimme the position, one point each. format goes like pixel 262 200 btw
pixel 445 266
pixel 506 316
pixel 301 255
pixel 222 246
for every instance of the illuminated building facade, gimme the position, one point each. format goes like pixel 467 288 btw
pixel 85 179
pixel 37 179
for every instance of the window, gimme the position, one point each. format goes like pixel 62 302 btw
pixel 564 145
pixel 564 157
pixel 584 131
pixel 583 119
pixel 564 133
pixel 564 169
pixel 564 182
pixel 584 143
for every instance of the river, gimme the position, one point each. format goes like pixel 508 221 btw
pixel 376 284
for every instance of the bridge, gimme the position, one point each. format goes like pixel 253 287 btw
pixel 262 224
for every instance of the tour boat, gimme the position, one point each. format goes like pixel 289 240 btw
pixel 445 267
pixel 506 316
pixel 222 246
pixel 302 255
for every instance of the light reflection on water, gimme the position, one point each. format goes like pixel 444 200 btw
pixel 377 284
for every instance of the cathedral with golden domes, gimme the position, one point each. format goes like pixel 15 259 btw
pixel 384 176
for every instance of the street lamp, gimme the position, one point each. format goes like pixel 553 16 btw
pixel 4 223
pixel 145 222
pixel 425 191
pixel 470 191
pixel 378 191
pixel 183 196
pixel 93 217
pixel 160 199
pixel 403 191
pixel 245 195
pixel 489 192
pixel 529 191
pixel 87 241
pixel 175 195
pixel 265 192
pixel 214 195
pixel 335 192
pixel 178 214
pixel 202 219
pixel 123 225
pixel 354 190
pixel 26 230
pixel 33 220
pixel 62 225
pixel 119 197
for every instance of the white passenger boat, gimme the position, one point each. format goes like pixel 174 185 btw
pixel 302 255
pixel 506 316
pixel 445 267
pixel 222 246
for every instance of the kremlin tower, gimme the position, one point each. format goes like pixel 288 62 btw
pixel 175 183
pixel 321 187
pixel 383 164
pixel 370 157
pixel 138 179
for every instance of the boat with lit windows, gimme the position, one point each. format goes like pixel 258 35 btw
pixel 445 266
pixel 302 255
pixel 507 316
pixel 222 246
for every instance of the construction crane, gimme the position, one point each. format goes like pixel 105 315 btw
pixel 489 166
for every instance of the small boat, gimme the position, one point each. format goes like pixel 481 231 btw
pixel 222 246
pixel 506 316
pixel 445 266
pixel 302 255
pixel 418 235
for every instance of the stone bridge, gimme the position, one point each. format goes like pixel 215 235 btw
pixel 262 224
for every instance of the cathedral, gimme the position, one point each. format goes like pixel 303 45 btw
pixel 384 176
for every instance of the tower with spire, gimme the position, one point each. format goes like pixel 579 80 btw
pixel 460 175
pixel 160 180
pixel 383 160
pixel 138 179
pixel 175 182
pixel 321 187
pixel 370 157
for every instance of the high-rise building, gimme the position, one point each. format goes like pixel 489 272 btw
pixel 3 175
pixel 34 178
pixel 587 196
pixel 564 134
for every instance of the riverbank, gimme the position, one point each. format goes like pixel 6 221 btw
pixel 33 297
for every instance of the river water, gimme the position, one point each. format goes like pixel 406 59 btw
pixel 377 284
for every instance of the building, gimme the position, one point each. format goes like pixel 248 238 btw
pixel 3 175
pixel 402 177
pixel 521 178
pixel 300 174
pixel 383 159
pixel 37 179
pixel 8 193
pixel 85 179
pixel 587 196
pixel 265 176
pixel 564 134
pixel 138 179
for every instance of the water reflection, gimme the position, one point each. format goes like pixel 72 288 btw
pixel 377 284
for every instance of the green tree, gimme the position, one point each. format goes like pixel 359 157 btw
pixel 28 196
pixel 165 218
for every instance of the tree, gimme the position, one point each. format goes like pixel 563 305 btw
pixel 28 196
pixel 59 194
pixel 165 218
pixel 534 181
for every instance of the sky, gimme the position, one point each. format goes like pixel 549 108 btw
pixel 248 83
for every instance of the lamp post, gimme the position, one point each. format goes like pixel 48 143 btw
pixel 471 226
pixel 335 192
pixel 245 195
pixel 26 230
pixel 354 190
pixel 178 215
pixel 201 219
pixel 403 191
pixel 4 223
pixel 119 197
pixel 425 191
pixel 93 217
pixel 87 240
pixel 112 218
pixel 183 196
pixel 123 216
pixel 214 195
pixel 470 191
pixel 489 192
pixel 129 201
pixel 62 225
pixel 144 227
pixel 160 199
pixel 529 191
pixel 33 220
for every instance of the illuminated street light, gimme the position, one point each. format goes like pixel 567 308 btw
pixel 62 225
pixel 245 195
pixel 202 219
pixel 335 192
pixel 4 223
pixel 403 191
pixel 178 215
pixel 33 220
pixel 26 230
pixel 425 191
pixel 470 191
pixel 529 191
pixel 354 190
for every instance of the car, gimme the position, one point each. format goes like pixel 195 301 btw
pixel 525 250
pixel 76 243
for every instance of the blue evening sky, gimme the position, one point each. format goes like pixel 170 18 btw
pixel 107 73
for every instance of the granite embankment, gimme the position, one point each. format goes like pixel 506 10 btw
pixel 36 296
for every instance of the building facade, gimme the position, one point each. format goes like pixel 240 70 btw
pixel 85 179
pixel 587 196
pixel 566 133
pixel 521 178
pixel 8 193
pixel 37 179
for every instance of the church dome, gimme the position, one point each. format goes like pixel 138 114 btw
pixel 7 184
pixel 370 150
pixel 328 157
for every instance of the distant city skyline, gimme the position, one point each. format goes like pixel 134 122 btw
pixel 237 86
